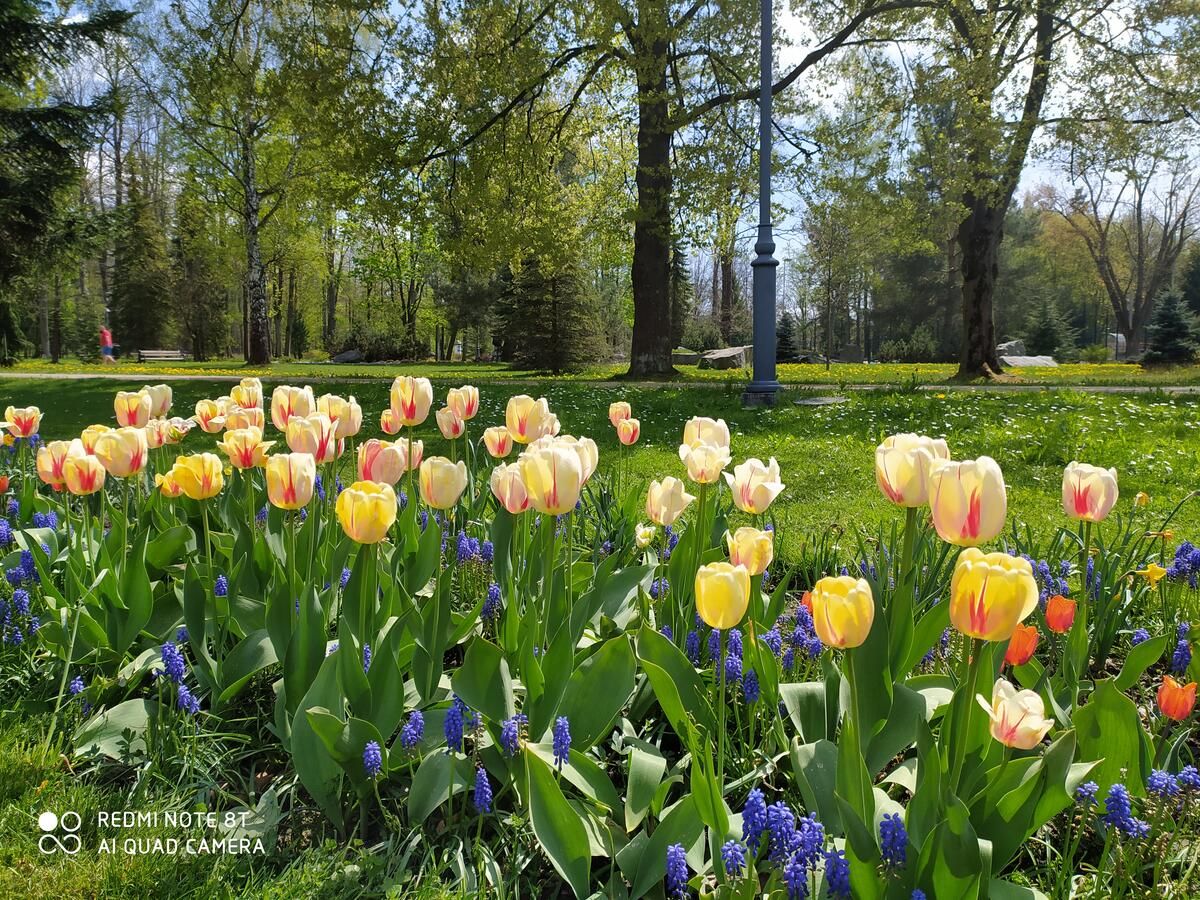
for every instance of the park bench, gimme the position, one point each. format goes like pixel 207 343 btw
pixel 162 356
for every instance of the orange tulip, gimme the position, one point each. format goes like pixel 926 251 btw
pixel 1021 645
pixel 1060 613
pixel 1176 700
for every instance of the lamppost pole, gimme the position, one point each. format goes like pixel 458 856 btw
pixel 764 389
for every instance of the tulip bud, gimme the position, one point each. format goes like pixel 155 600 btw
pixel 411 398
pixel 843 610
pixel 1060 614
pixel 200 476
pixel 122 451
pixel 314 434
pixel 722 594
pixel 498 441
pixel 508 486
pixel 388 423
pixel 133 408
pixel 367 510
pixel 643 535
pixel 209 416
pixel 702 430
pixel 52 457
pixel 628 431
pixel 160 399
pixel 1088 492
pixel 167 484
pixel 619 412
pixel 902 464
pixel 288 401
pixel 238 417
pixel 528 419
pixel 751 548
pixel 83 475
pixel 704 462
pixel 22 422
pixel 464 401
pixel 248 394
pixel 754 485
pixel 380 461
pixel 412 451
pixel 990 594
pixel 90 435
pixel 1176 701
pixel 968 500
pixel 442 482
pixel 666 500
pixel 1018 717
pixel 245 447
pixel 346 415
pixel 291 479
pixel 449 423
pixel 553 478
pixel 1021 645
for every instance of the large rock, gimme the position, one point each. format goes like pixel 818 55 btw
pixel 684 358
pixel 726 358
pixel 1011 348
pixel 348 356
pixel 1024 362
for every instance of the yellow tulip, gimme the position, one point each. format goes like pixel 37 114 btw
pixel 1018 717
pixel 498 441
pixel 314 434
pixel 508 486
pixel 754 485
pixel 22 422
pixel 90 436
pixel 751 548
pixel 245 447
pixel 722 594
pixel 584 448
pixel 380 461
pixel 1088 492
pixel 133 408
pixel 209 416
pixel 167 484
pixel 442 482
pixel 553 477
pixel 843 610
pixel 346 415
pixel 644 534
pixel 367 510
pixel 161 396
pixel 990 594
pixel 52 458
pixel 703 430
pixel 200 476
pixel 968 500
pixel 450 423
pixel 902 464
pixel 83 474
pixel 704 462
pixel 240 417
pixel 528 419
pixel 666 500
pixel 628 431
pixel 464 401
pixel 291 478
pixel 122 451
pixel 288 401
pixel 411 399
pixel 248 394
pixel 388 423
pixel 619 412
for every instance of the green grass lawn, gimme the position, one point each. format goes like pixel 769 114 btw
pixel 825 452
pixel 1094 374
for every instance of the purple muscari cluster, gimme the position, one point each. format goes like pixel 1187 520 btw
pixel 1085 794
pixel 338 487
pixel 487 551
pixel 423 518
pixel 13 509
pixel 260 517
pixel 1189 779
pixel 788 660
pixel 366 657
pixel 1091 581
pixel 413 730
pixel 319 485
pixel 345 579
pixel 917 894
pixel 893 841
pixel 750 689
pixel 6 533
pixel 733 641
pixel 76 686
pixel 754 821
pixel 453 727
pixel 491 606
pixel 773 639
pixel 733 669
pixel 221 586
pixel 714 644
pixel 677 871
pixel 666 632
pixel 1118 813
pixel 1186 565
pixel 402 499
pixel 1162 784
pixel 837 873
pixel 188 701
pixel 1050 580
pixel 372 759
pixel 804 635
pixel 463 547
pixel 659 587
pixel 1140 636
pixel 483 791
pixel 46 520
pixel 733 854
pixel 691 646
pixel 173 662
pixel 562 741
pixel 606 548
pixel 510 733
pixel 1182 657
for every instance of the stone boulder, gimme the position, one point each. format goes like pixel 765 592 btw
pixel 348 356
pixel 1011 348
pixel 726 358
pixel 1024 362
pixel 684 358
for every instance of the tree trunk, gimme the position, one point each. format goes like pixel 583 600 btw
pixel 44 321
pixel 726 294
pixel 258 345
pixel 650 353
pixel 979 236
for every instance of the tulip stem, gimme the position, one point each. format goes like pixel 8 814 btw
pixel 721 704
pixel 968 700
pixel 1085 541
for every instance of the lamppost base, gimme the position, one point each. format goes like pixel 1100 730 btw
pixel 760 395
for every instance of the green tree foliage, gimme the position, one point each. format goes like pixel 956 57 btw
pixel 548 319
pixel 1173 336
pixel 1047 332
pixel 1191 281
pixel 141 275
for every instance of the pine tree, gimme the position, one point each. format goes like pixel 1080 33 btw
pixel 1191 282
pixel 1047 332
pixel 681 294
pixel 141 285
pixel 549 320
pixel 1172 332
pixel 785 339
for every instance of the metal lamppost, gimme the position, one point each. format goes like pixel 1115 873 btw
pixel 764 389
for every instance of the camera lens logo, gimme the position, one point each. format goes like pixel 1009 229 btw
pixel 50 842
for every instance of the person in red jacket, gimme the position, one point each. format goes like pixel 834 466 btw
pixel 106 346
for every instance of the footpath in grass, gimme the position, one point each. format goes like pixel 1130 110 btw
pixel 825 452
